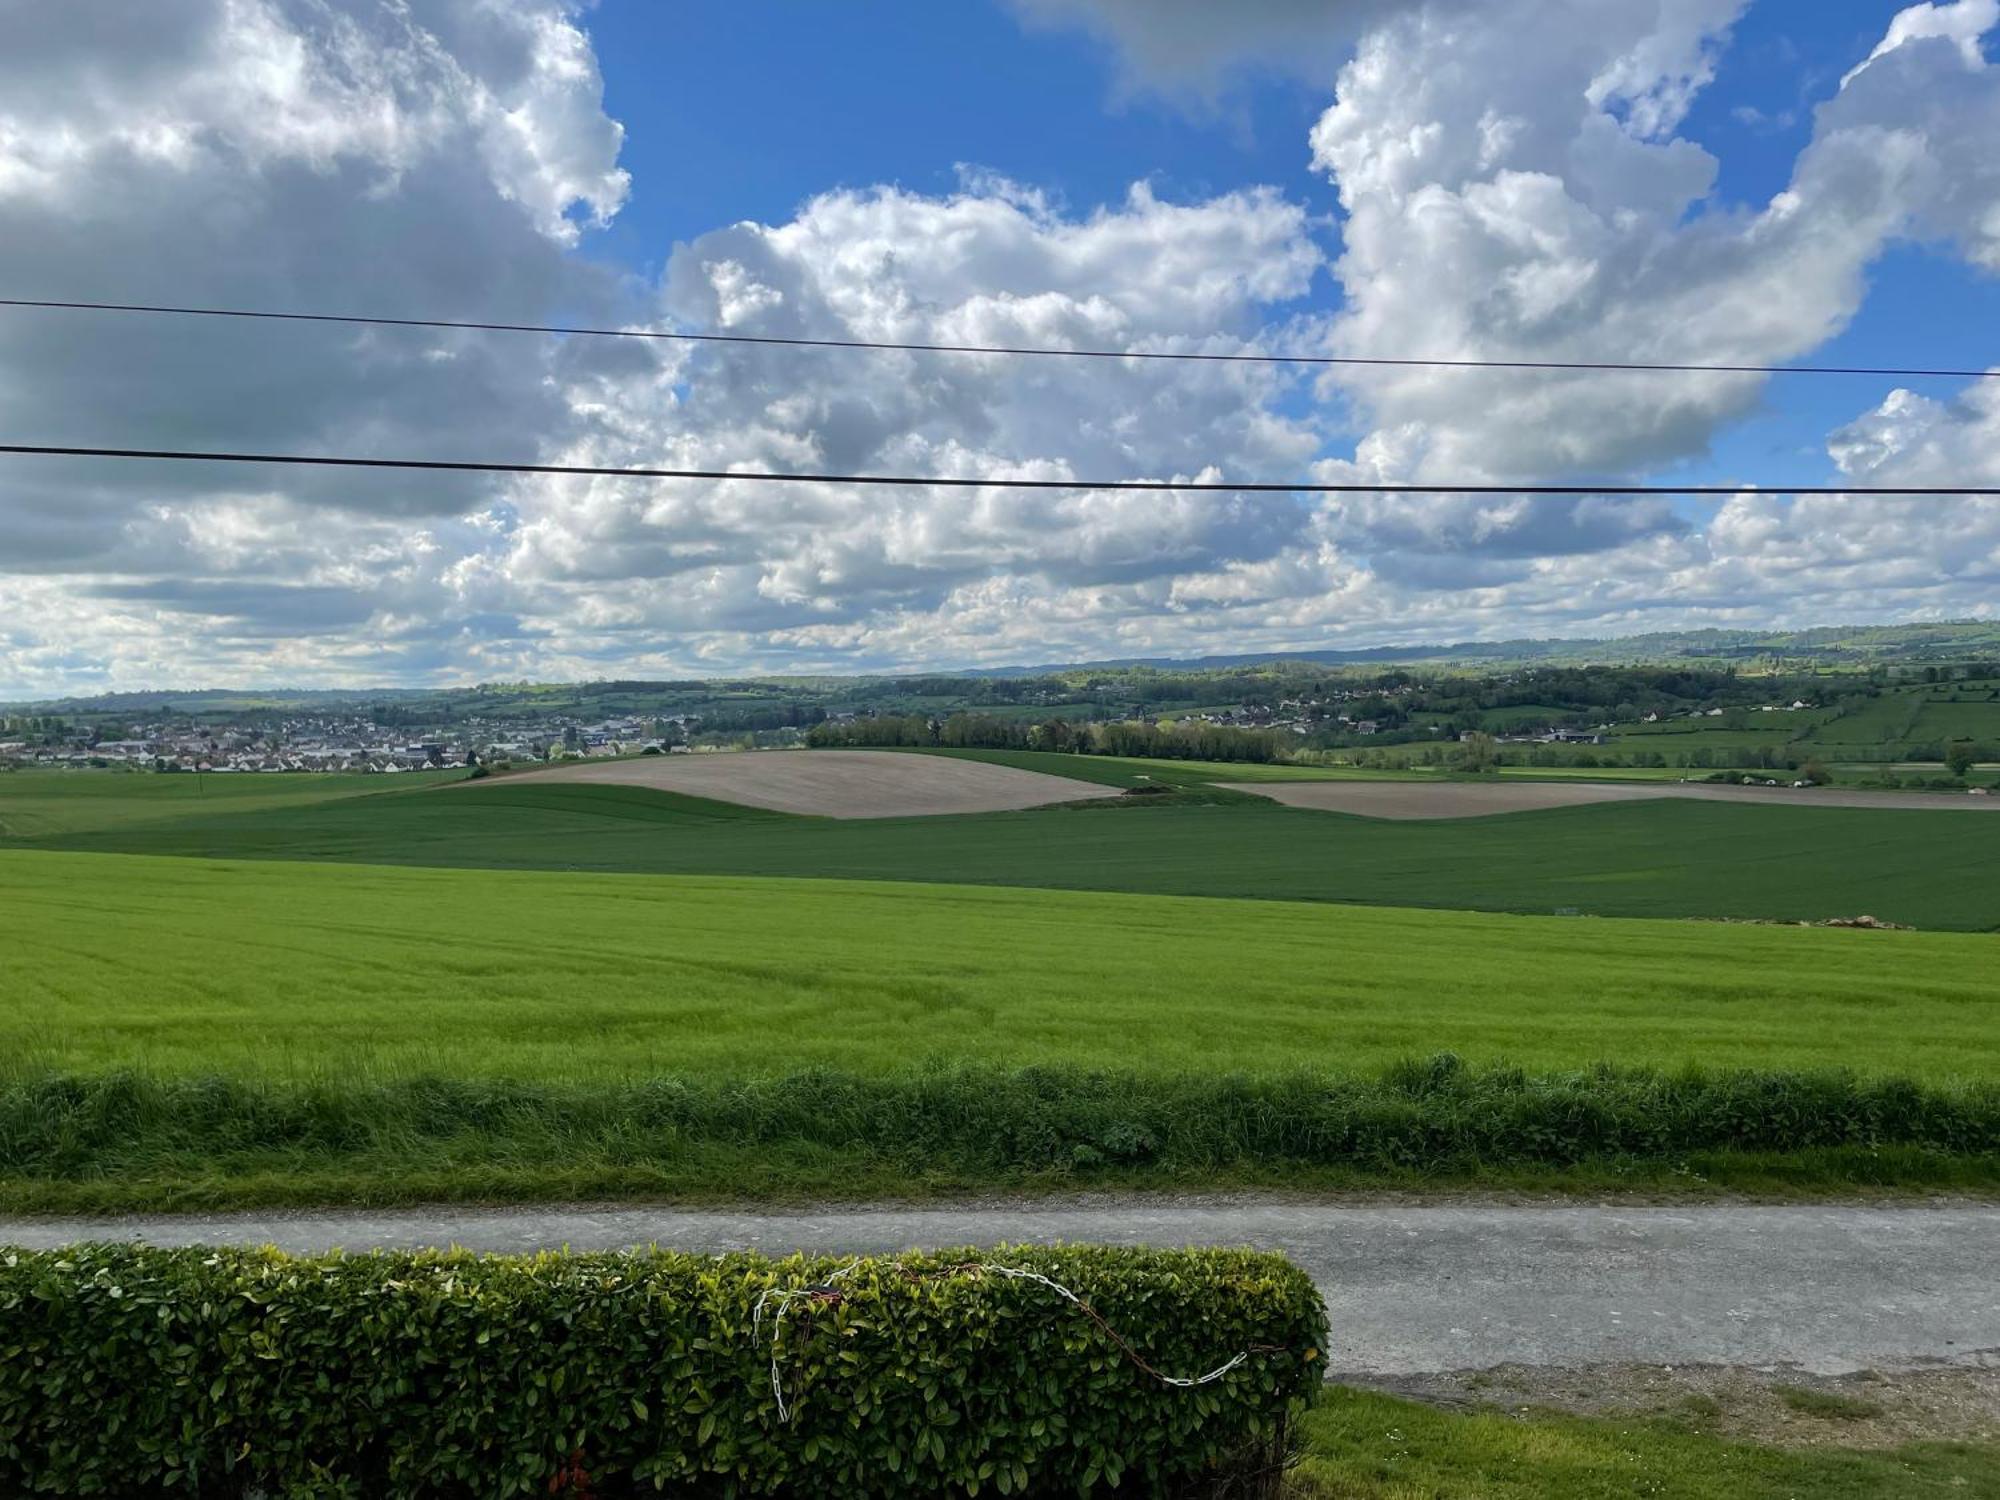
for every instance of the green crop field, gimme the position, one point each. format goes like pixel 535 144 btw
pixel 286 968
pixel 1650 859
pixel 379 989
pixel 199 1032
pixel 39 804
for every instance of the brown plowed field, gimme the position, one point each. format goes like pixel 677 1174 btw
pixel 1480 799
pixel 836 783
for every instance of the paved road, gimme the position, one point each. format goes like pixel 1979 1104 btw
pixel 1412 1288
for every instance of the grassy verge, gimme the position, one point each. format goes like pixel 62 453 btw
pixel 1363 1446
pixel 132 1142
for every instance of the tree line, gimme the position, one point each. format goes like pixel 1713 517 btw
pixel 1193 741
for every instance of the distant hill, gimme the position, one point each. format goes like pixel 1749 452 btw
pixel 1945 641
pixel 1828 645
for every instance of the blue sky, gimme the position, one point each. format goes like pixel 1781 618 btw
pixel 1707 181
pixel 813 97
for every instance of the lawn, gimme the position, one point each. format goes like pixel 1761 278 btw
pixel 289 970
pixel 1930 869
pixel 1362 1446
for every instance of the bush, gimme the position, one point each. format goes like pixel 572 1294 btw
pixel 126 1369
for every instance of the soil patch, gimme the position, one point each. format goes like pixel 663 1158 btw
pixel 835 784
pixel 1480 799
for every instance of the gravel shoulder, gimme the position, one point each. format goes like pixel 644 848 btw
pixel 852 784
pixel 1479 799
pixel 1414 1289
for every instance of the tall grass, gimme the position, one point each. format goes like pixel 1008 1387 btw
pixel 129 1139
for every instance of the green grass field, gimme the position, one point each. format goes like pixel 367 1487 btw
pixel 1653 859
pixel 1677 736
pixel 203 1033
pixel 1362 1446
pixel 43 804
pixel 263 968
pixel 371 989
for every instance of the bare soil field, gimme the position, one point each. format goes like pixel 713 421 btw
pixel 1479 799
pixel 850 784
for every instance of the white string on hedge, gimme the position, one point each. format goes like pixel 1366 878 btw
pixel 825 1292
pixel 1021 1273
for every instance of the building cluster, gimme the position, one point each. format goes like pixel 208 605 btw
pixel 334 744
pixel 1296 715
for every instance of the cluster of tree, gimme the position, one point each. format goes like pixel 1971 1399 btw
pixel 1191 741
pixel 724 720
pixel 43 727
pixel 1482 753
pixel 1960 756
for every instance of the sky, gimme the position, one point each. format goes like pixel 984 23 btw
pixel 1686 181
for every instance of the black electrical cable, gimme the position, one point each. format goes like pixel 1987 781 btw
pixel 1637 366
pixel 337 461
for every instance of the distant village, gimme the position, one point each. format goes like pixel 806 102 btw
pixel 1319 715
pixel 341 744
pixel 1330 714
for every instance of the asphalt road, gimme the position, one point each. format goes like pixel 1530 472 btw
pixel 1412 1288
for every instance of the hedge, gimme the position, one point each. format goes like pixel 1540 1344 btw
pixel 115 1139
pixel 128 1370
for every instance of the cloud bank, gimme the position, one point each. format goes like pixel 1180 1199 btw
pixel 1514 181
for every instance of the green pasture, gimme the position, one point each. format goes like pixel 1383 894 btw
pixel 1892 717
pixel 1361 1445
pixel 288 969
pixel 1523 716
pixel 1930 869
pixel 1959 719
pixel 1596 773
pixel 1680 736
pixel 43 803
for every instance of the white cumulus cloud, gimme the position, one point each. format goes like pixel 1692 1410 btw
pixel 1515 180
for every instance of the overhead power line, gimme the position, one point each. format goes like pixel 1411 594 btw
pixel 675 336
pixel 958 482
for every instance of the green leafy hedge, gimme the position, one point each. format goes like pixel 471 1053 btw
pixel 126 1370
